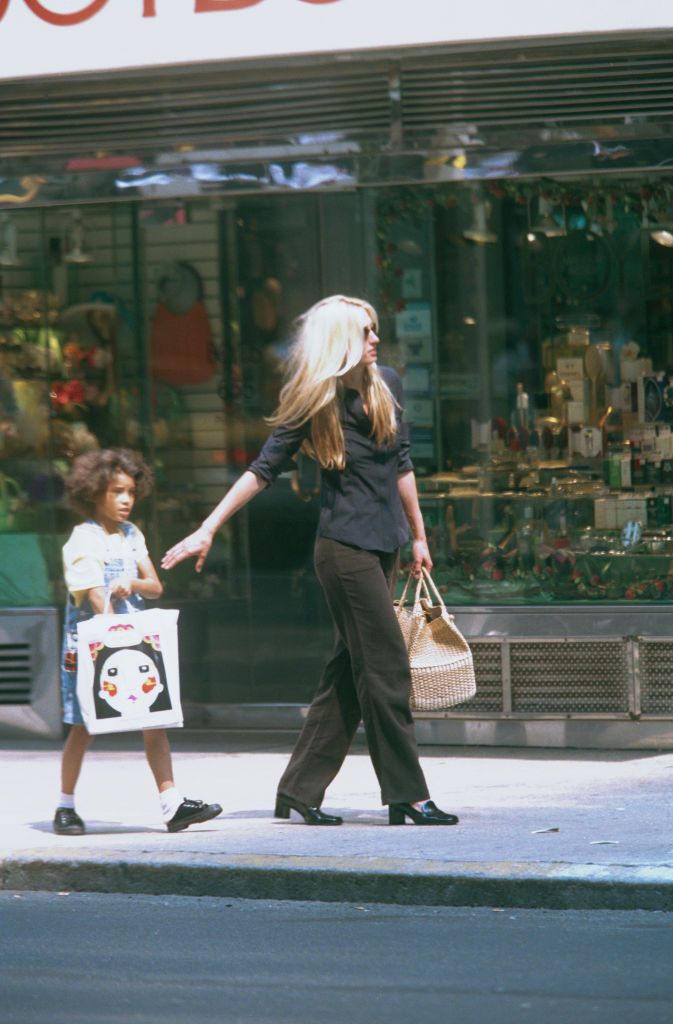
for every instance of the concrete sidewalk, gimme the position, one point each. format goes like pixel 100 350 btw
pixel 538 828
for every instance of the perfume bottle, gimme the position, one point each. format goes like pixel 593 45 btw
pixel 522 409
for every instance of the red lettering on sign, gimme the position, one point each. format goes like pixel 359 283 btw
pixel 208 6
pixel 149 9
pixel 76 18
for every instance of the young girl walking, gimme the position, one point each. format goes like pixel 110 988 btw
pixel 107 555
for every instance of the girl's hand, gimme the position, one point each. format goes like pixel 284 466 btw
pixel 122 588
pixel 197 545
pixel 420 558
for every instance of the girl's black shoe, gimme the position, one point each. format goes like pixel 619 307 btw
pixel 192 812
pixel 429 814
pixel 67 822
pixel 311 815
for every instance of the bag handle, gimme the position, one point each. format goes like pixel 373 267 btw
pixel 107 604
pixel 403 595
pixel 433 587
pixel 421 585
pixel 430 592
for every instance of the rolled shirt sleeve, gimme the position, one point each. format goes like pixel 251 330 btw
pixel 276 456
pixel 83 560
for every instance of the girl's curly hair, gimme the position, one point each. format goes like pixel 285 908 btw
pixel 92 473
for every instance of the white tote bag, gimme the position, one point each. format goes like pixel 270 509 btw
pixel 127 671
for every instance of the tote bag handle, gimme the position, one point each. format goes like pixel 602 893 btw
pixel 403 596
pixel 433 597
pixel 428 580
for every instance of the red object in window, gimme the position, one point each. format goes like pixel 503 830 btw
pixel 102 163
pixel 182 346
pixel 65 393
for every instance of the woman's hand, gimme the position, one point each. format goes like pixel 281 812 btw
pixel 420 559
pixel 197 545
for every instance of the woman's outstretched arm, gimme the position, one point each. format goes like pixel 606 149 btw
pixel 198 544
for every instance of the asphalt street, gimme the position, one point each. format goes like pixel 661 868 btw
pixel 109 959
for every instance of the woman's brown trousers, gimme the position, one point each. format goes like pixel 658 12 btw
pixel 367 678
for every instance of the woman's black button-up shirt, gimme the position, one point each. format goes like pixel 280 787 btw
pixel 359 505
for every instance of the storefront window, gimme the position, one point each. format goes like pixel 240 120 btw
pixel 287 255
pixel 531 322
pixel 69 371
pixel 537 377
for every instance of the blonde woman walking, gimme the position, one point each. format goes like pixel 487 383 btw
pixel 345 411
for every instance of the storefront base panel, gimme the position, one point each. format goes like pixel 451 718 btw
pixel 29 659
pixel 588 677
pixel 450 729
pixel 289 717
pixel 592 734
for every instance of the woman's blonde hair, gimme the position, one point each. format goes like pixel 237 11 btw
pixel 329 343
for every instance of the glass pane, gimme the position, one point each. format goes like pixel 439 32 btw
pixel 279 276
pixel 534 328
pixel 66 342
pixel 30 352
pixel 181 281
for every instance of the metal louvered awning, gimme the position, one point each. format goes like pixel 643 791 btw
pixel 200 108
pixel 559 88
pixel 390 102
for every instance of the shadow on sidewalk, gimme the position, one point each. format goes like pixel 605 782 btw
pixel 99 828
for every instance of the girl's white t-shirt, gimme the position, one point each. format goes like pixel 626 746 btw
pixel 90 548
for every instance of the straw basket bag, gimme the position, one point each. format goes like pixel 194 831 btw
pixel 442 671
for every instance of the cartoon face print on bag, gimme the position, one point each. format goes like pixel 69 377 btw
pixel 130 682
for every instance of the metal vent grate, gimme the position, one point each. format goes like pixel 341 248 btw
pixel 523 89
pixel 570 676
pixel 488 671
pixel 655 664
pixel 15 673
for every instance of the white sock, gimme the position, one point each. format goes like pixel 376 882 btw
pixel 170 800
pixel 67 800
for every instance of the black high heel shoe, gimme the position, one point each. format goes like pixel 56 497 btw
pixel 311 815
pixel 429 814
